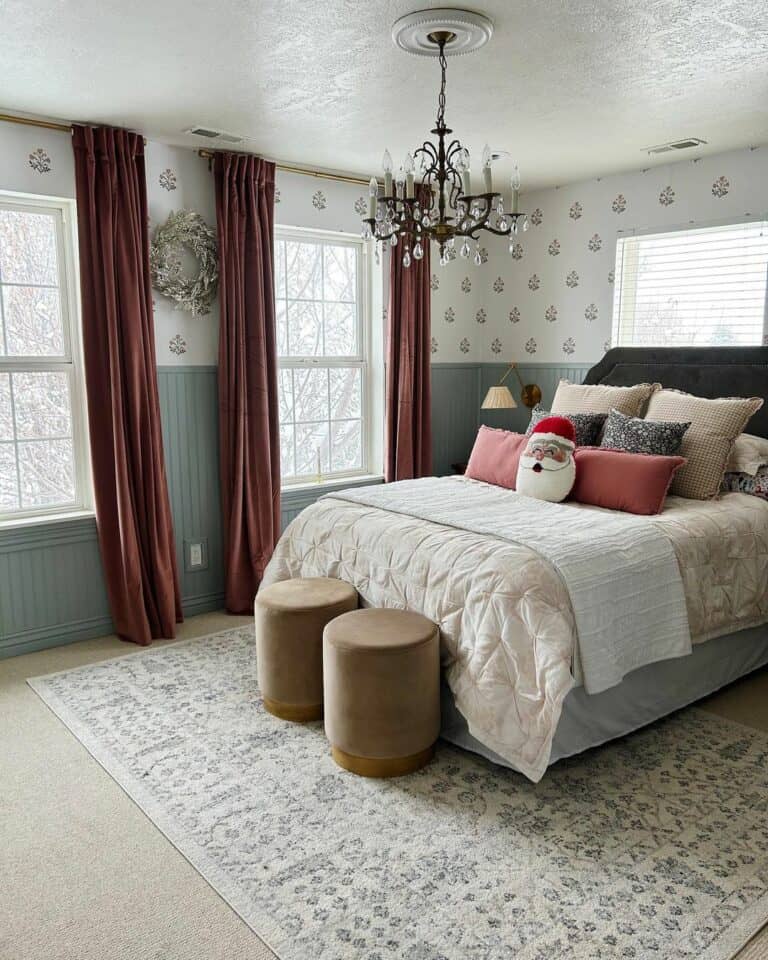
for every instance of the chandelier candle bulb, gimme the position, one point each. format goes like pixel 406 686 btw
pixel 387 166
pixel 466 179
pixel 515 184
pixel 487 178
pixel 373 197
pixel 409 167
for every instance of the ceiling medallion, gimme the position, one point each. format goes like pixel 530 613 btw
pixel 471 31
pixel 443 206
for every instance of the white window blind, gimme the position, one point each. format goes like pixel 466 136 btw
pixel 702 287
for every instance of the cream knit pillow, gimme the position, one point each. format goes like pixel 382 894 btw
pixel 749 454
pixel 708 442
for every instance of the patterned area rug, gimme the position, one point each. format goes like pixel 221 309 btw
pixel 652 848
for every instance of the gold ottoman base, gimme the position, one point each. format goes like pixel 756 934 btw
pixel 383 766
pixel 296 712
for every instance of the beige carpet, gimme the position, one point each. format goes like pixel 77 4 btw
pixel 92 878
pixel 96 879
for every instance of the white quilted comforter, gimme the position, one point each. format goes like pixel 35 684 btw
pixel 508 628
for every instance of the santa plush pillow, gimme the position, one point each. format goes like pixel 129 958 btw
pixel 547 469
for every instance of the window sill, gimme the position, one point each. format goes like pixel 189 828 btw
pixel 45 519
pixel 43 532
pixel 302 489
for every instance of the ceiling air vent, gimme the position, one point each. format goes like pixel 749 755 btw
pixel 214 134
pixel 685 144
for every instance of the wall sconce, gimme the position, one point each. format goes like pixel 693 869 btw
pixel 500 398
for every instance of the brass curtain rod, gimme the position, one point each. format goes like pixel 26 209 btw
pixel 206 154
pixel 304 171
pixel 45 124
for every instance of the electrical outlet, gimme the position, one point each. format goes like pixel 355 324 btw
pixel 195 555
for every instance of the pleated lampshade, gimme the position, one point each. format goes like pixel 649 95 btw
pixel 499 398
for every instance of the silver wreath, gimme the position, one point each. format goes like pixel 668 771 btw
pixel 185 229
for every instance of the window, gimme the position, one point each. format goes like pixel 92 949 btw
pixel 699 287
pixel 323 334
pixel 43 457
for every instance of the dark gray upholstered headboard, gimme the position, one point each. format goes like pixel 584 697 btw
pixel 703 371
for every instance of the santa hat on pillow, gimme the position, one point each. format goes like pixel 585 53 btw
pixel 558 429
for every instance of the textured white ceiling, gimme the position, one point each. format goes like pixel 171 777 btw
pixel 573 88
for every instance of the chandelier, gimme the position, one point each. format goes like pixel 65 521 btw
pixel 448 204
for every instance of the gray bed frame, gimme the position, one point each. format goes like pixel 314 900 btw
pixel 660 688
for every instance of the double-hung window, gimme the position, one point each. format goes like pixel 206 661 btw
pixel 43 453
pixel 701 287
pixel 323 342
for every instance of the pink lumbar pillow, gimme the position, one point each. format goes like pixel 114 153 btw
pixel 631 482
pixel 495 457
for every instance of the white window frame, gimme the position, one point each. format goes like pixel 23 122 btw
pixel 368 359
pixel 622 295
pixel 71 363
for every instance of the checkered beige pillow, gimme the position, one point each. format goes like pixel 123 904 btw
pixel 708 442
pixel 602 398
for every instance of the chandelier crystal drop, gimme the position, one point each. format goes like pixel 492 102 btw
pixel 442 205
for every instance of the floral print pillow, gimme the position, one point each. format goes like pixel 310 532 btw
pixel 756 485
pixel 634 435
pixel 587 425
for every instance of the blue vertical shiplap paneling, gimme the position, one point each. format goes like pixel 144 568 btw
pixel 51 586
pixel 456 403
pixel 189 412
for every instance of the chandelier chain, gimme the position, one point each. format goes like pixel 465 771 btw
pixel 441 98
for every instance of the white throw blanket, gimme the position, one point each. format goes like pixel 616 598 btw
pixel 456 551
pixel 620 570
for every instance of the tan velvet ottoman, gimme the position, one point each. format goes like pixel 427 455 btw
pixel 290 617
pixel 381 678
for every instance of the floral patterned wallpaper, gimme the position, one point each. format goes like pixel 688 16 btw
pixel 555 302
pixel 177 179
pixel 34 160
pixel 547 299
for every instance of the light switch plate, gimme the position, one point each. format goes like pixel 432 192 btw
pixel 196 555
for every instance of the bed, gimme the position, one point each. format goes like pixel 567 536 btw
pixel 562 626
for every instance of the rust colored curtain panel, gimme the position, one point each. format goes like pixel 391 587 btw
pixel 132 507
pixel 248 405
pixel 408 426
